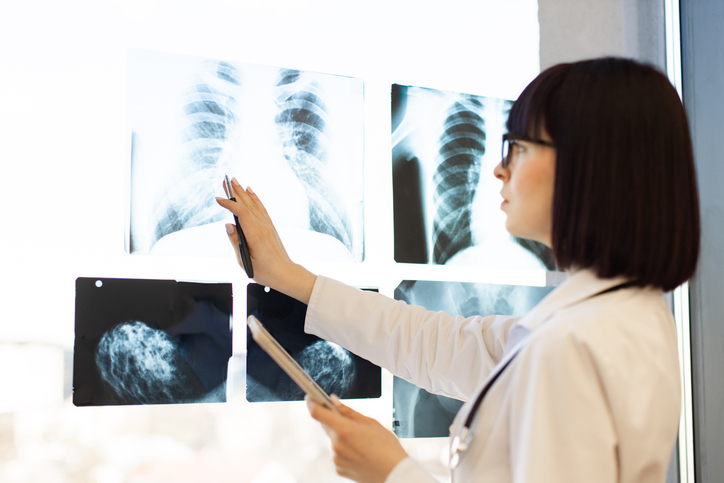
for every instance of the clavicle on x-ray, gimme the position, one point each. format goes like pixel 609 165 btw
pixel 446 199
pixel 295 137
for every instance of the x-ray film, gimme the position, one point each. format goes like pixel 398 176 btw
pixel 417 413
pixel 446 199
pixel 150 341
pixel 335 370
pixel 295 137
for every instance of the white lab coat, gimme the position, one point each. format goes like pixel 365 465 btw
pixel 593 394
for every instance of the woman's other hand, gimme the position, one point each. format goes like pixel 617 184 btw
pixel 272 266
pixel 364 450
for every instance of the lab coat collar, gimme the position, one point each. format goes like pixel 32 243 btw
pixel 579 286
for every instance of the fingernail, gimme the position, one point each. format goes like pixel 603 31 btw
pixel 248 188
pixel 218 198
pixel 230 229
pixel 335 399
pixel 233 180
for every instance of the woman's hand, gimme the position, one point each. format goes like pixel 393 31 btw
pixel 364 450
pixel 272 266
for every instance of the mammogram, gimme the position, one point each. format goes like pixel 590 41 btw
pixel 335 369
pixel 143 366
pixel 150 341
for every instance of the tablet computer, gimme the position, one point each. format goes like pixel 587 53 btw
pixel 288 364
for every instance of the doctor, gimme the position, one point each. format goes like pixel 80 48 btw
pixel 597 165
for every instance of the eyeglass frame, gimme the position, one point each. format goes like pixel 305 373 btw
pixel 509 139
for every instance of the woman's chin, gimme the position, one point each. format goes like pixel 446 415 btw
pixel 528 235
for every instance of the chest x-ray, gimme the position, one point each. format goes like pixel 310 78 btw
pixel 417 413
pixel 334 368
pixel 150 342
pixel 445 146
pixel 295 137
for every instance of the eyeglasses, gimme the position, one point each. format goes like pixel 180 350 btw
pixel 510 139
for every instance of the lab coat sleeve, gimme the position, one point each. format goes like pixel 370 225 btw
pixel 561 428
pixel 409 471
pixel 441 353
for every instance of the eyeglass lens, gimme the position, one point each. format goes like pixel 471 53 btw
pixel 506 153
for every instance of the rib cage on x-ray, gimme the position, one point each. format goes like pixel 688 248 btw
pixel 295 136
pixel 302 122
pixel 210 121
pixel 456 178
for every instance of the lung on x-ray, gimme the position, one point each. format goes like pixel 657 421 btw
pixel 446 199
pixel 417 413
pixel 150 341
pixel 294 136
pixel 335 369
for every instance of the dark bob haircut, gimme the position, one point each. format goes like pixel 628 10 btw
pixel 625 197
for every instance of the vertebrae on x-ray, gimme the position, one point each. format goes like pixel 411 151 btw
pixel 462 144
pixel 212 117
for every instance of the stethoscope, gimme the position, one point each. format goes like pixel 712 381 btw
pixel 461 442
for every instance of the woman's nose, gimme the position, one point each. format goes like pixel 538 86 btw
pixel 500 172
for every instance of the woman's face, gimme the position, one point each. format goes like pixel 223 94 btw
pixel 528 190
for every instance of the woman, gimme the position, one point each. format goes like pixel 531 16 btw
pixel 598 165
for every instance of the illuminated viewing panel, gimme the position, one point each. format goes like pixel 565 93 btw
pixel 121 119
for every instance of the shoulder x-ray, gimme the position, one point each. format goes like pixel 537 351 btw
pixel 417 412
pixel 150 341
pixel 446 198
pixel 295 137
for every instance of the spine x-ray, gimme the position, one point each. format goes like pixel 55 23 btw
pixel 334 368
pixel 417 413
pixel 150 341
pixel 295 137
pixel 446 199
